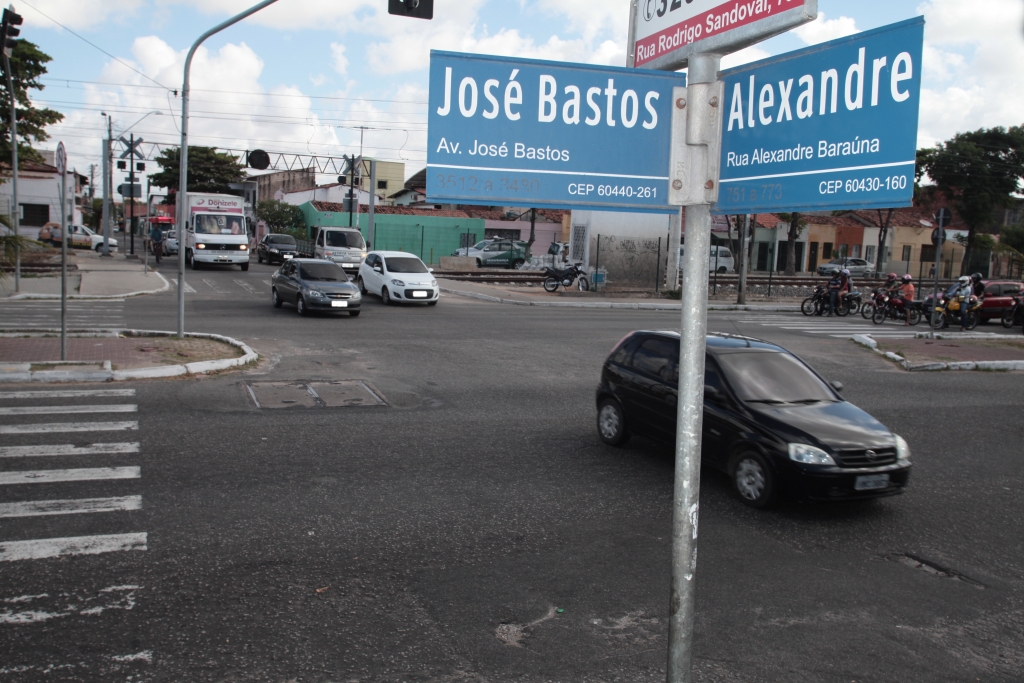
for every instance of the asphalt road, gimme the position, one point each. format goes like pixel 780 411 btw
pixel 475 529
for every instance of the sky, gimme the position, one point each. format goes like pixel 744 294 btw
pixel 302 76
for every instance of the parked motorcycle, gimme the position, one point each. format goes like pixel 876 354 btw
pixel 566 277
pixel 1014 314
pixel 947 312
pixel 893 308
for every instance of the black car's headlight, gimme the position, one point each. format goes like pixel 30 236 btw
pixel 809 455
pixel 275 251
pixel 902 448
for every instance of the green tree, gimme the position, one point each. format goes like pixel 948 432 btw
pixel 27 65
pixel 208 170
pixel 979 171
pixel 282 217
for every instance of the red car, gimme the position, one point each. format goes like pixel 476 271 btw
pixel 998 297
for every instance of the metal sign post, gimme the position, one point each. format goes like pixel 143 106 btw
pixel 62 167
pixel 944 218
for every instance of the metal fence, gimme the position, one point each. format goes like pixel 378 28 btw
pixel 629 262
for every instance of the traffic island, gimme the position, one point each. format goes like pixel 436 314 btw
pixel 991 352
pixel 115 355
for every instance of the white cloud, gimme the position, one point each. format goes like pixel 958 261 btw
pixel 78 14
pixel 973 53
pixel 744 56
pixel 317 80
pixel 339 62
pixel 295 14
pixel 821 29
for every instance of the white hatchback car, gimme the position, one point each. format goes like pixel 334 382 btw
pixel 398 276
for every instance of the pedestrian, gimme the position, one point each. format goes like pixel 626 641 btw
pixel 907 297
pixel 963 295
pixel 156 240
pixel 931 271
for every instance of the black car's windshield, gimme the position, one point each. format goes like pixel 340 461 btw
pixel 338 238
pixel 281 239
pixel 772 377
pixel 325 272
pixel 405 264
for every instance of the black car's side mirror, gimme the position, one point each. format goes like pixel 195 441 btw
pixel 837 385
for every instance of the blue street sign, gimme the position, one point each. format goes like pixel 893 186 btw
pixel 525 132
pixel 830 127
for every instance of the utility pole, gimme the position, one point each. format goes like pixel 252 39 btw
pixel 107 189
pixel 131 189
pixel 182 208
pixel 9 31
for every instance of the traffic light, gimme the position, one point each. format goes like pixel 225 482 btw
pixel 418 9
pixel 8 30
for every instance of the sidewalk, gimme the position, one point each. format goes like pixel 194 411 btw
pixel 536 296
pixel 90 276
pixel 947 352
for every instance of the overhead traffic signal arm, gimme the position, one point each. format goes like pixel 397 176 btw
pixel 418 9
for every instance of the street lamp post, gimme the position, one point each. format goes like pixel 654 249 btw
pixel 183 159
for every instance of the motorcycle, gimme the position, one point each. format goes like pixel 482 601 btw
pixel 816 302
pixel 566 277
pixel 874 301
pixel 894 309
pixel 852 302
pixel 1014 314
pixel 947 311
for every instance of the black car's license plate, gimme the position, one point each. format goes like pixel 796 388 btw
pixel 869 482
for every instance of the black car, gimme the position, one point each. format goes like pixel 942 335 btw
pixel 315 285
pixel 274 247
pixel 770 421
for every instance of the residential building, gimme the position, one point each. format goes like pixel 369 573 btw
pixel 390 177
pixel 39 193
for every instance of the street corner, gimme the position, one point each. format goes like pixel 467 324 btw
pixel 949 351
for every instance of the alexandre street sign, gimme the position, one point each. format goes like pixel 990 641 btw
pixel 829 127
pixel 664 33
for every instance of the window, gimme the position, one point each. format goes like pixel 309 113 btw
pixel 906 252
pixel 382 184
pixel 405 264
pixel 712 377
pixel 773 377
pixel 869 253
pixel 35 214
pixel 655 357
pixel 856 251
pixel 281 239
pixel 826 250
pixel 1011 290
pixel 326 272
pixel 993 290
pixel 928 253
pixel 339 238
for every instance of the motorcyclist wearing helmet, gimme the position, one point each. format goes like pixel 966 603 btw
pixel 906 292
pixel 835 285
pixel 977 286
pixel 892 284
pixel 963 293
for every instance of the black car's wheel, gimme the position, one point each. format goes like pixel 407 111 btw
pixel 362 287
pixel 551 284
pixel 385 297
pixel 1007 319
pixel 353 314
pixel 753 480
pixel 611 423
pixel 807 306
pixel 300 306
pixel 275 299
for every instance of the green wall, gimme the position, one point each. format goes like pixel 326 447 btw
pixel 429 237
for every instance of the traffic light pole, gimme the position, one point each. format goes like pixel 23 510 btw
pixel 15 207
pixel 131 190
pixel 182 201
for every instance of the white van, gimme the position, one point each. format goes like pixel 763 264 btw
pixel 721 260
pixel 344 246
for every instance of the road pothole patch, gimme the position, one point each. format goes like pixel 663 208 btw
pixel 934 570
pixel 315 394
pixel 513 634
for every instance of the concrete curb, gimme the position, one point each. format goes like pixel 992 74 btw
pixel 619 305
pixel 21 373
pixel 166 286
pixel 991 365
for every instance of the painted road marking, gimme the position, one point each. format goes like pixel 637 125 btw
pixel 267 283
pixel 12 551
pixel 48 427
pixel 246 286
pixel 82 474
pixel 48 410
pixel 188 288
pixel 42 508
pixel 213 286
pixel 69 393
pixel 67 449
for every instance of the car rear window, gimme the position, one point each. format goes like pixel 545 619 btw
pixel 326 272
pixel 773 377
pixel 654 356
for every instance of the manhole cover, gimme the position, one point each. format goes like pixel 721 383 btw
pixel 322 394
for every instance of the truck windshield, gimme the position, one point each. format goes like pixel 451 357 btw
pixel 405 264
pixel 327 272
pixel 207 224
pixel 339 238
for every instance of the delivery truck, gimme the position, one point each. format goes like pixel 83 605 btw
pixel 215 230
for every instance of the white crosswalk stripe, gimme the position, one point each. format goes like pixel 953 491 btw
pixel 41 508
pixel 64 410
pixel 108 313
pixel 68 393
pixel 189 289
pixel 833 327
pixel 77 545
pixel 67 449
pixel 68 427
pixel 213 285
pixel 82 474
pixel 246 286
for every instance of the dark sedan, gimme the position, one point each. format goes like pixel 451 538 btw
pixel 315 285
pixel 770 422
pixel 274 247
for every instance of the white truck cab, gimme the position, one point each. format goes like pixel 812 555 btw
pixel 344 246
pixel 216 230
